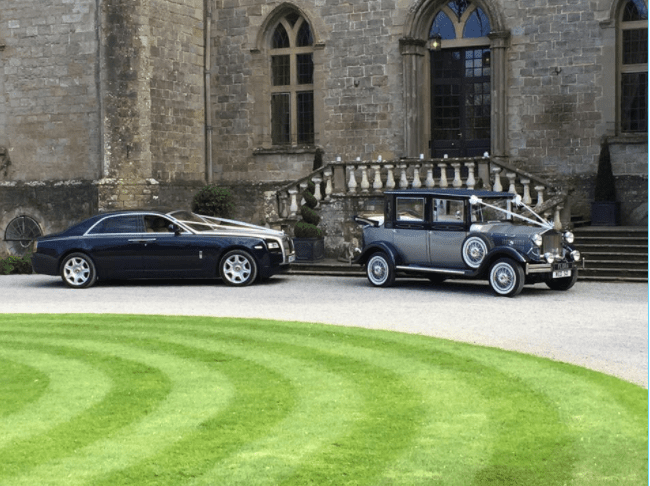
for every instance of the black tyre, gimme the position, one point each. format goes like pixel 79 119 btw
pixel 238 268
pixel 380 271
pixel 506 277
pixel 563 283
pixel 78 271
pixel 475 249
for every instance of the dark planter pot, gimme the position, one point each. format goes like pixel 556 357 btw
pixel 605 213
pixel 309 249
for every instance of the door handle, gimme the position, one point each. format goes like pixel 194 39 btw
pixel 146 240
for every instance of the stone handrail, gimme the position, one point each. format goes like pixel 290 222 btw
pixel 365 178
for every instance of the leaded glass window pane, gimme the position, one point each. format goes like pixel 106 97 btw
pixel 634 102
pixel 305 66
pixel 305 117
pixel 281 118
pixel 281 70
pixel 442 26
pixel 635 10
pixel 304 37
pixel 635 46
pixel 280 38
pixel 478 24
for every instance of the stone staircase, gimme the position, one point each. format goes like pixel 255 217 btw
pixel 616 253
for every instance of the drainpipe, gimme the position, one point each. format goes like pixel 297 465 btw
pixel 208 110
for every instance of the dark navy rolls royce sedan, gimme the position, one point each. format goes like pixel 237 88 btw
pixel 152 244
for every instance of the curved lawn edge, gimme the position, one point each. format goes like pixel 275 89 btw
pixel 423 409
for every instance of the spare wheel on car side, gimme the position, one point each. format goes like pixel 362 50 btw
pixel 474 250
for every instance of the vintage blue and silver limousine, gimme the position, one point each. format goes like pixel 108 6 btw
pixel 458 233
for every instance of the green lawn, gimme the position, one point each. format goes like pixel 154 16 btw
pixel 114 399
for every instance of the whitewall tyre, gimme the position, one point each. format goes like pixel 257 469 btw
pixel 506 277
pixel 380 270
pixel 475 249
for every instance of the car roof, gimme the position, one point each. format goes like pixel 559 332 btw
pixel 446 192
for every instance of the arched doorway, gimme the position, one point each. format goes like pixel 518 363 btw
pixel 472 36
pixel 460 76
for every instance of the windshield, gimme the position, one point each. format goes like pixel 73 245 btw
pixel 194 221
pixel 484 214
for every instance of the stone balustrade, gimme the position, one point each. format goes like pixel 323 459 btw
pixel 371 177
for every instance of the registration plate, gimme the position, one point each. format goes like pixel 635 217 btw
pixel 561 273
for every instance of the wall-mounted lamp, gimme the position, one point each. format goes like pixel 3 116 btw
pixel 435 43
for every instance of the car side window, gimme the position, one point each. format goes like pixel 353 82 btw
pixel 157 224
pixel 448 211
pixel 119 224
pixel 409 209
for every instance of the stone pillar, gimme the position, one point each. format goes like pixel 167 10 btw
pixel 413 52
pixel 499 83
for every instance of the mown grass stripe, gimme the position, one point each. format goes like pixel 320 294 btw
pixel 136 389
pixel 196 393
pixel 262 398
pixel 20 386
pixel 72 387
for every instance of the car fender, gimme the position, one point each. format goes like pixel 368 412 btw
pixel 387 248
pixel 499 252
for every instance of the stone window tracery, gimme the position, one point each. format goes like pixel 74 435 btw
pixel 292 81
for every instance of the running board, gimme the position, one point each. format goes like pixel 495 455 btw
pixel 414 268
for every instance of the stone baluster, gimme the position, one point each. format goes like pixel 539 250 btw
pixel 443 175
pixel 540 194
pixel 303 188
pixel 430 182
pixel 365 183
pixel 512 188
pixel 328 183
pixel 293 207
pixel 403 181
pixel 471 181
pixel 526 199
pixel 352 183
pixel 557 223
pixel 417 183
pixel 497 187
pixel 377 185
pixel 457 182
pixel 284 209
pixel 390 178
pixel 317 179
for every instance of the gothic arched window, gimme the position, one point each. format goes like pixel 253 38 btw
pixel 292 81
pixel 633 67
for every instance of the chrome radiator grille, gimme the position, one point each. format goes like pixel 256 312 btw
pixel 552 243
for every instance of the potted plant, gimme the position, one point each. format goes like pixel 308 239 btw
pixel 605 208
pixel 309 241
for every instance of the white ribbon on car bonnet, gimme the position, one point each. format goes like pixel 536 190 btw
pixel 474 200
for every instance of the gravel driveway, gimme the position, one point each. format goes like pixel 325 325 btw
pixel 602 326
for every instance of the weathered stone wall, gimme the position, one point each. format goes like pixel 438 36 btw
pixel 49 110
pixel 53 205
pixel 177 95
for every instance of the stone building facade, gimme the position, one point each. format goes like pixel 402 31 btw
pixel 107 104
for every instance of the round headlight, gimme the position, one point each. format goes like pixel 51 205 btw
pixel 537 239
pixel 550 258
pixel 568 237
pixel 576 255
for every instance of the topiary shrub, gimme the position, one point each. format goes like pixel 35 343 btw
pixel 307 228
pixel 215 201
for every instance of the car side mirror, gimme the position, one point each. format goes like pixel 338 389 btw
pixel 175 229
